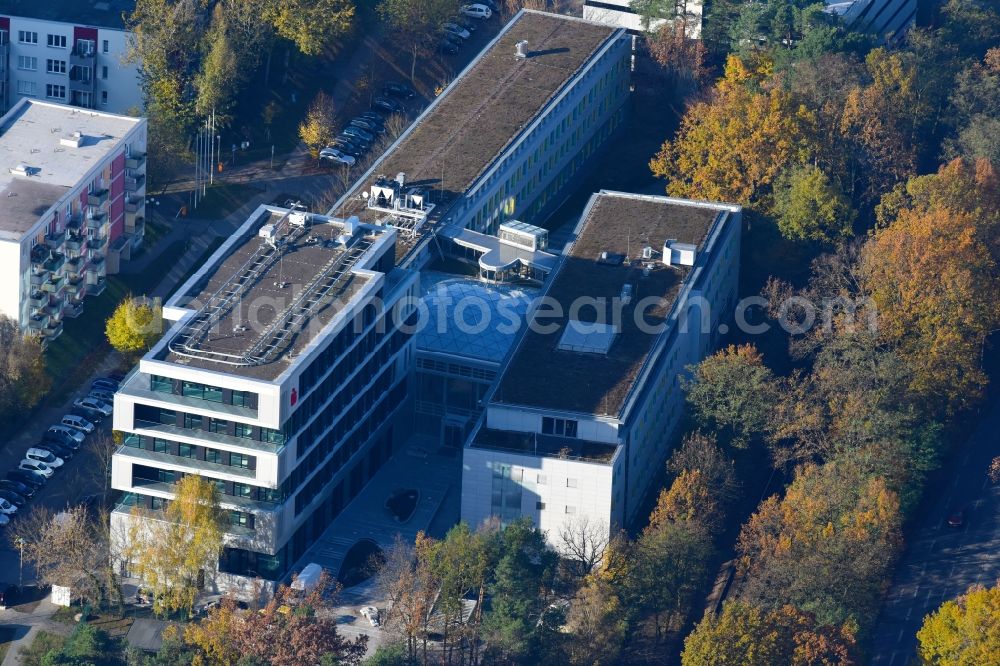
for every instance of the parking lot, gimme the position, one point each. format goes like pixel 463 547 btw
pixel 79 478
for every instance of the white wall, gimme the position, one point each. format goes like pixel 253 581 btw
pixel 10 279
pixel 521 419
pixel 122 84
pixel 546 480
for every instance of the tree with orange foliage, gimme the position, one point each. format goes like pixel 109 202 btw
pixel 747 635
pixel 732 146
pixel 932 272
pixel 827 546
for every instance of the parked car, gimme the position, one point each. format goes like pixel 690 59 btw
pixel 9 485
pixel 103 396
pixel 56 449
pixel 78 422
pixel 956 518
pixel 36 466
pixel 27 478
pixel 389 105
pixel 455 40
pixel 14 498
pixel 466 23
pixel 104 384
pixel 368 126
pixel 492 4
pixel 93 403
pixel 351 130
pixel 476 11
pixel 447 47
pixel 6 507
pixel 61 439
pixel 348 148
pixel 334 155
pixel 457 30
pixel 356 140
pixel 45 456
pixel 72 433
pixel 396 89
pixel 371 614
pixel 91 415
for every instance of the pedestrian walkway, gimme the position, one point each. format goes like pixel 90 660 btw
pixel 27 626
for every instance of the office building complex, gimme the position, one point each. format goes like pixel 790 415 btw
pixel 280 378
pixel 503 140
pixel 72 202
pixel 67 51
pixel 580 421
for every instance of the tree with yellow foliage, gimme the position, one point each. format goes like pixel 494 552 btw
pixel 734 145
pixel 319 127
pixel 134 325
pixel 962 631
pixel 932 273
pixel 175 552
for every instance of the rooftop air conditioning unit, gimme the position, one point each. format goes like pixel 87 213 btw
pixel 21 170
pixel 678 254
pixel 647 252
pixel 522 49
pixel 74 140
pixel 351 224
pixel 298 219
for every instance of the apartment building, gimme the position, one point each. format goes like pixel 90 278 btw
pixel 67 51
pixel 581 419
pixel 505 139
pixel 72 207
pixel 283 377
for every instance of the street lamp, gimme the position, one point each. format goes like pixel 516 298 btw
pixel 19 542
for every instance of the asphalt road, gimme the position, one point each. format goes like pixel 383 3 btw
pixel 941 562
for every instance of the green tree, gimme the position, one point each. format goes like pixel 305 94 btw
pixel 732 394
pixel 597 622
pixel 23 378
pixel 809 206
pixel 311 24
pixel 87 645
pixel 319 127
pixel 415 23
pixel 962 631
pixel 172 552
pixel 134 325
pixel 747 635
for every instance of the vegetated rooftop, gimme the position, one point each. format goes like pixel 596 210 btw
pixel 33 136
pixel 457 139
pixel 539 374
pixel 101 13
pixel 246 319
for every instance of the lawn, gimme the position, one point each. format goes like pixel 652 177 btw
pixel 45 642
pixel 72 356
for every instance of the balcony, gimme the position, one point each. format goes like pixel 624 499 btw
pixel 76 243
pixel 52 331
pixel 73 310
pixel 74 286
pixel 97 220
pixel 135 183
pixel 38 299
pixel 38 322
pixel 53 284
pixel 75 222
pixel 135 205
pixel 98 242
pixel 55 240
pixel 82 56
pixel 53 263
pixel 97 268
pixel 75 266
pixel 97 287
pixel 135 161
pixel 98 198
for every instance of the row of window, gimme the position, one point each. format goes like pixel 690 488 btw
pixel 58 41
pixel 178 419
pixel 561 427
pixel 234 518
pixel 203 392
pixel 30 89
pixel 192 451
pixel 143 474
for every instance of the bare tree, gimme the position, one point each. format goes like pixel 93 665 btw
pixel 582 541
pixel 994 470
pixel 103 446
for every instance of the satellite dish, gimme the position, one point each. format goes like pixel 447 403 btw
pixel 364 195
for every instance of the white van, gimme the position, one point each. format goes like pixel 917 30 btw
pixel 47 457
pixel 78 422
pixel 308 578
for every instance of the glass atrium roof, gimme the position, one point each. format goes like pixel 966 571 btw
pixel 467 317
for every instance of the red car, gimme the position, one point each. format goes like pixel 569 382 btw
pixel 956 518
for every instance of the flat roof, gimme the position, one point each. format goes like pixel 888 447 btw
pixel 100 13
pixel 252 284
pixel 539 373
pixel 550 446
pixel 460 136
pixel 30 135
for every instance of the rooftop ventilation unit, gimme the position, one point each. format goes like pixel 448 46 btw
pixel 74 140
pixel 679 254
pixel 627 291
pixel 21 170
pixel 299 219
pixel 587 337
pixel 522 49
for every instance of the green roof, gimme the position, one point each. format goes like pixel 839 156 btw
pixel 100 13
